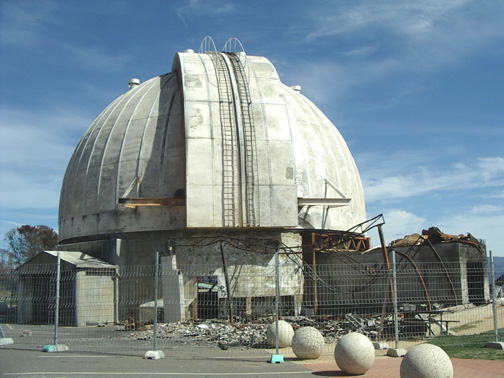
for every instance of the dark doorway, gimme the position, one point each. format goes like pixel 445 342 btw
pixel 475 282
pixel 208 298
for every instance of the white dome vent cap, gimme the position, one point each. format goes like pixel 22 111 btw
pixel 133 83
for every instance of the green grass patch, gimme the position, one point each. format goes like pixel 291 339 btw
pixel 471 346
pixel 465 326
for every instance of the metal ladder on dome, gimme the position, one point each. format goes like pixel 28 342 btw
pixel 229 140
pixel 251 170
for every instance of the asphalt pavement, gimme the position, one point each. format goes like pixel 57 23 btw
pixel 178 362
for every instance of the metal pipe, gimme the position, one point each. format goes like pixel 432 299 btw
pixel 277 298
pixel 396 321
pixel 315 285
pixel 494 297
pixel 446 270
pixel 419 276
pixel 156 279
pixel 56 310
pixel 391 285
pixel 224 268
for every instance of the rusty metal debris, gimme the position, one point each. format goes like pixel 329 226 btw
pixel 434 235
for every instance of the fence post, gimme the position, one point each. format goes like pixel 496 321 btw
pixel 155 354
pixel 5 340
pixel 495 344
pixel 396 320
pixel 56 309
pixel 395 352
pixel 56 347
pixel 156 283
pixel 494 298
pixel 277 358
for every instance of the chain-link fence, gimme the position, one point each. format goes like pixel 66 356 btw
pixel 117 309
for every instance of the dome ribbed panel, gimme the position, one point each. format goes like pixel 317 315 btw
pixel 321 153
pixel 160 167
pixel 131 138
pixel 111 141
pixel 73 188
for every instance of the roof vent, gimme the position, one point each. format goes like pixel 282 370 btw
pixel 134 83
pixel 189 51
pixel 297 88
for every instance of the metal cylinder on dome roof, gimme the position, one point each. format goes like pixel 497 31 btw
pixel 133 83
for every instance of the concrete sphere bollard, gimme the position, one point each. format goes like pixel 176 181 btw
pixel 285 334
pixel 307 343
pixel 354 353
pixel 426 361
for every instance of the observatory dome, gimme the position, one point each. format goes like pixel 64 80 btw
pixel 218 143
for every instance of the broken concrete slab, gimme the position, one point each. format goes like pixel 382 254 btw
pixel 396 352
pixel 380 345
pixel 6 341
pixel 154 355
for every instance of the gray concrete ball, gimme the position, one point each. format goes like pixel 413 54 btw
pixel 307 343
pixel 426 361
pixel 285 334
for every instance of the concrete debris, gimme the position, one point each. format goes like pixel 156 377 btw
pixel 249 334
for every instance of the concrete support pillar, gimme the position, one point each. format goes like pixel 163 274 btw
pixel 173 290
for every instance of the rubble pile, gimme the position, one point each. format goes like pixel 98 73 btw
pixel 249 334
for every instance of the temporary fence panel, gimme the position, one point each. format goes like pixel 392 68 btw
pixel 232 306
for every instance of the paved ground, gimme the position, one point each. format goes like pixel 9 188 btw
pixel 22 363
pixel 96 353
pixel 200 363
pixel 388 367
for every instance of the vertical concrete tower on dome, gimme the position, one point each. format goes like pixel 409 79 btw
pixel 218 147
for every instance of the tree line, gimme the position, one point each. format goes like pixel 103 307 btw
pixel 25 242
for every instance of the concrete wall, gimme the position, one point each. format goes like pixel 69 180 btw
pixel 250 267
pixel 95 297
pixel 251 274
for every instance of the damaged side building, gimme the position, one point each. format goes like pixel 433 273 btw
pixel 434 270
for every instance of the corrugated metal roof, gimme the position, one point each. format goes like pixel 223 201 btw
pixel 81 260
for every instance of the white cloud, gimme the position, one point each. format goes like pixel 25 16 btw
pixel 400 17
pixel 486 226
pixel 486 209
pixel 418 35
pixel 483 222
pixel 398 223
pixel 363 51
pixel 23 23
pixel 494 195
pixel 10 223
pixel 29 136
pixel 94 58
pixel 209 8
pixel 22 191
pixel 34 151
pixel 484 173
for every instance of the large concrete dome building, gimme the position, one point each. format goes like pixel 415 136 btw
pixel 218 147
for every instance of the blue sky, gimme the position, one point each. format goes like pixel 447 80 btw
pixel 415 87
